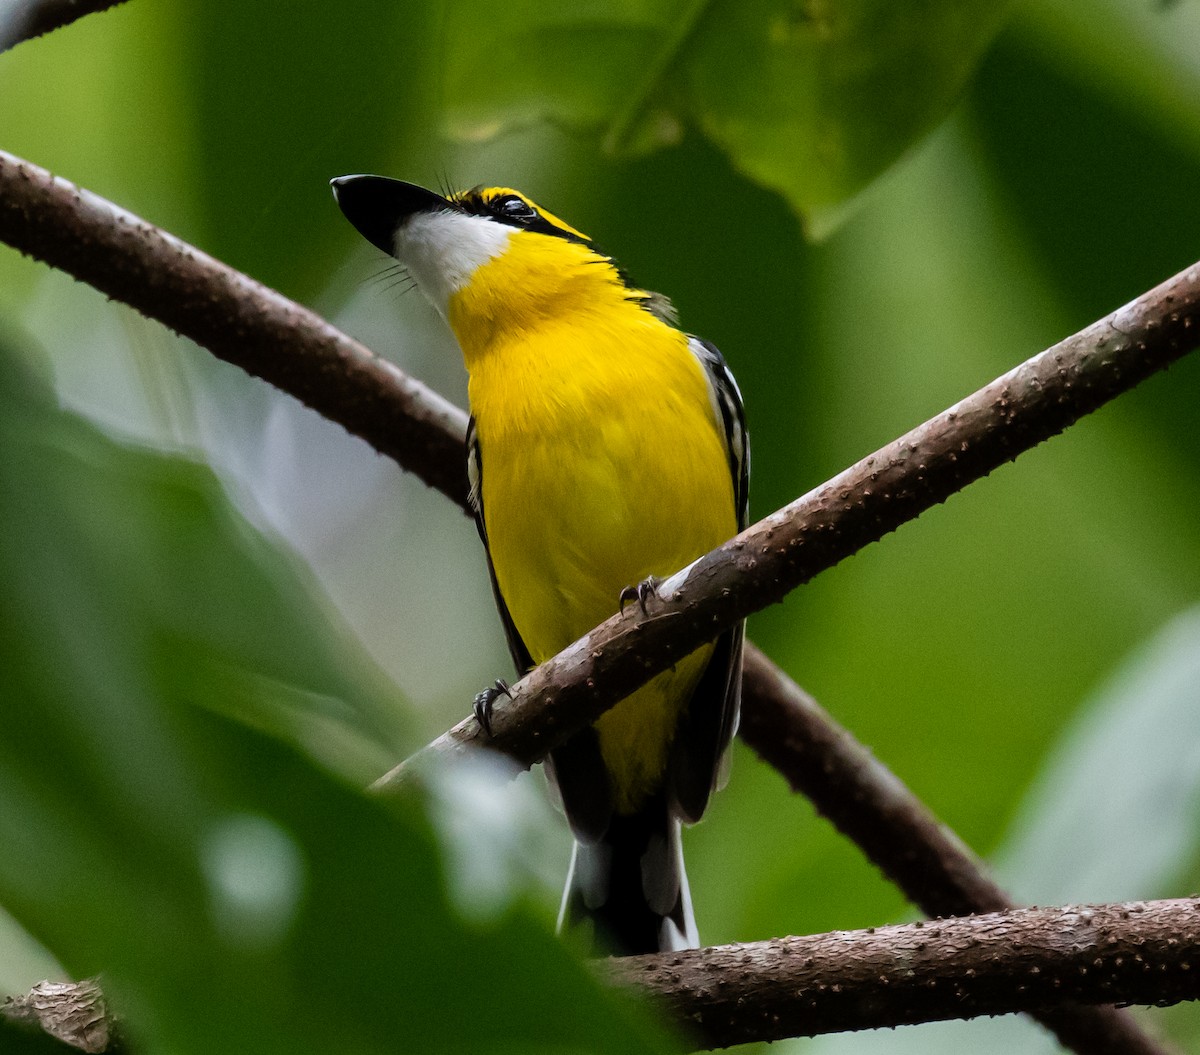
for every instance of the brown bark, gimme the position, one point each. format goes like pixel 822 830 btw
pixel 74 1012
pixel 896 484
pixel 256 328
pixel 1029 960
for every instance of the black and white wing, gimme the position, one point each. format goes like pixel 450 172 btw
pixel 516 647
pixel 726 400
pixel 711 720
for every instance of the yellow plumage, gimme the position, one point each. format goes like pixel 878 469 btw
pixel 579 411
pixel 606 447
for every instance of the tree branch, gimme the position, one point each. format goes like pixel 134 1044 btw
pixel 1025 960
pixel 897 483
pixel 35 17
pixel 871 806
pixel 234 317
pixel 1141 952
pixel 75 1013
pixel 251 326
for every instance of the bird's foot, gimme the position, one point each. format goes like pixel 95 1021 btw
pixel 484 701
pixel 641 593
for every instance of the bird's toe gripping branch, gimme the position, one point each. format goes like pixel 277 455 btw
pixel 484 701
pixel 641 593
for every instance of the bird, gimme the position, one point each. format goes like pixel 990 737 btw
pixel 606 448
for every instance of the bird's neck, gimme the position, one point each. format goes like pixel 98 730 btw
pixel 535 286
pixel 559 372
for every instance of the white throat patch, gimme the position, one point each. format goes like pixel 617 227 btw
pixel 442 250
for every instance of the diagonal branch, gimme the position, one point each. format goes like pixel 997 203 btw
pixel 1140 952
pixel 237 319
pixel 897 483
pixel 871 806
pixel 253 327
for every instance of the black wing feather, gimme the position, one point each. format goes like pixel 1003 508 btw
pixel 516 647
pixel 708 726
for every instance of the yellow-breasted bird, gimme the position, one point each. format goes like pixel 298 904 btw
pixel 606 448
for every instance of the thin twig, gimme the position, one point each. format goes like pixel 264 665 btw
pixel 1142 952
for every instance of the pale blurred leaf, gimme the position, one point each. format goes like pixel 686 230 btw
pixel 234 895
pixel 1115 813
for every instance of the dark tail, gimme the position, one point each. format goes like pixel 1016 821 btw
pixel 631 886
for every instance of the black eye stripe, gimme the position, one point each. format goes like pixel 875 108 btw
pixel 510 207
pixel 543 226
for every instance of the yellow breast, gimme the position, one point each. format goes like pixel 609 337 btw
pixel 602 464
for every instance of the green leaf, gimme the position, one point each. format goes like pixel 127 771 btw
pixel 233 895
pixel 115 557
pixel 1141 55
pixel 814 100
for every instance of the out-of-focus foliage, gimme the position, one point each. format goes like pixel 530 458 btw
pixel 1144 720
pixel 961 649
pixel 232 893
pixel 1129 754
pixel 118 562
pixel 813 99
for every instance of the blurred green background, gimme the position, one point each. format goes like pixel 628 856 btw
pixel 220 615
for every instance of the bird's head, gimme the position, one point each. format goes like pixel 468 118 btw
pixel 487 258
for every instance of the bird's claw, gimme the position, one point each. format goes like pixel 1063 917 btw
pixel 641 593
pixel 484 701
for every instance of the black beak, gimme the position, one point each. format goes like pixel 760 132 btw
pixel 377 206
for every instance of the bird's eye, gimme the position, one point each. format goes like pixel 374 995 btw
pixel 513 208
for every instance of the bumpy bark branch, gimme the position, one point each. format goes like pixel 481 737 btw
pixel 1025 960
pixel 896 484
pixel 35 17
pixel 251 326
pixel 1143 952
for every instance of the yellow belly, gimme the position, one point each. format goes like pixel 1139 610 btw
pixel 596 475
